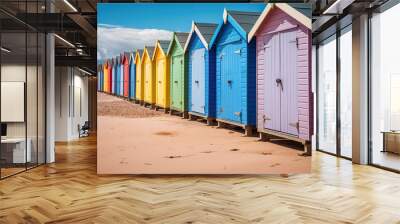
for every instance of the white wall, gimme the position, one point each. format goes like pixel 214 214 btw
pixel 71 102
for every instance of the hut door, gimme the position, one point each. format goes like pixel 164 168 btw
pixel 288 57
pixel 230 82
pixel 139 81
pixel 272 95
pixel 121 80
pixel 280 86
pixel 198 81
pixel 177 82
pixel 147 79
pixel 160 81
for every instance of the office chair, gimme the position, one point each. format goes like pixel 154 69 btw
pixel 84 130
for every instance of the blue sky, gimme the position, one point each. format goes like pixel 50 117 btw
pixel 168 16
pixel 127 26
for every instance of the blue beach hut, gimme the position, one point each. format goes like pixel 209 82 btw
pixel 235 70
pixel 201 71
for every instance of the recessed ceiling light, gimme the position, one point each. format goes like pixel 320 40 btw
pixel 84 71
pixel 70 5
pixel 64 40
pixel 5 50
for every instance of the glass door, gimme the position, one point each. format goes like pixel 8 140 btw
pixel 385 89
pixel 327 92
pixel 345 59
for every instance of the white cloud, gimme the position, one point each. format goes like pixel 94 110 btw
pixel 113 40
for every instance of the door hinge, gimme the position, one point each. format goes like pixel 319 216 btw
pixel 238 114
pixel 296 125
pixel 265 118
pixel 295 41
pixel 238 51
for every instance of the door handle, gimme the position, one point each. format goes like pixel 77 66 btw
pixel 175 81
pixel 229 82
pixel 196 81
pixel 279 82
pixel 159 81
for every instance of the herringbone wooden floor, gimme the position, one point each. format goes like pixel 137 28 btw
pixel 69 191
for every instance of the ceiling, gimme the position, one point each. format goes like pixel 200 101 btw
pixel 332 15
pixel 73 21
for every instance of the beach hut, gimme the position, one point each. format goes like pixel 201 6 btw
pixel 110 73
pixel 132 76
pixel 126 68
pixel 101 84
pixel 149 77
pixel 201 71
pixel 100 76
pixel 121 75
pixel 161 69
pixel 139 76
pixel 235 70
pixel 284 91
pixel 114 66
pixel 118 75
pixel 178 77
pixel 106 72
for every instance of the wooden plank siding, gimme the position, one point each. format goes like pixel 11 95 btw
pixel 278 21
pixel 245 94
pixel 178 90
pixel 195 43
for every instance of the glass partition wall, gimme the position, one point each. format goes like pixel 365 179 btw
pixel 385 89
pixel 22 77
pixel 334 94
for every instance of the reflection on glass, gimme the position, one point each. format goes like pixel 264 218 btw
pixel 327 96
pixel 22 90
pixel 31 100
pixel 41 99
pixel 385 84
pixel 346 93
pixel 14 153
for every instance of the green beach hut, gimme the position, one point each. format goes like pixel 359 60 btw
pixel 178 77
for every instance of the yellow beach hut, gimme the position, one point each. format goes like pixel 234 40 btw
pixel 161 65
pixel 149 88
pixel 139 76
